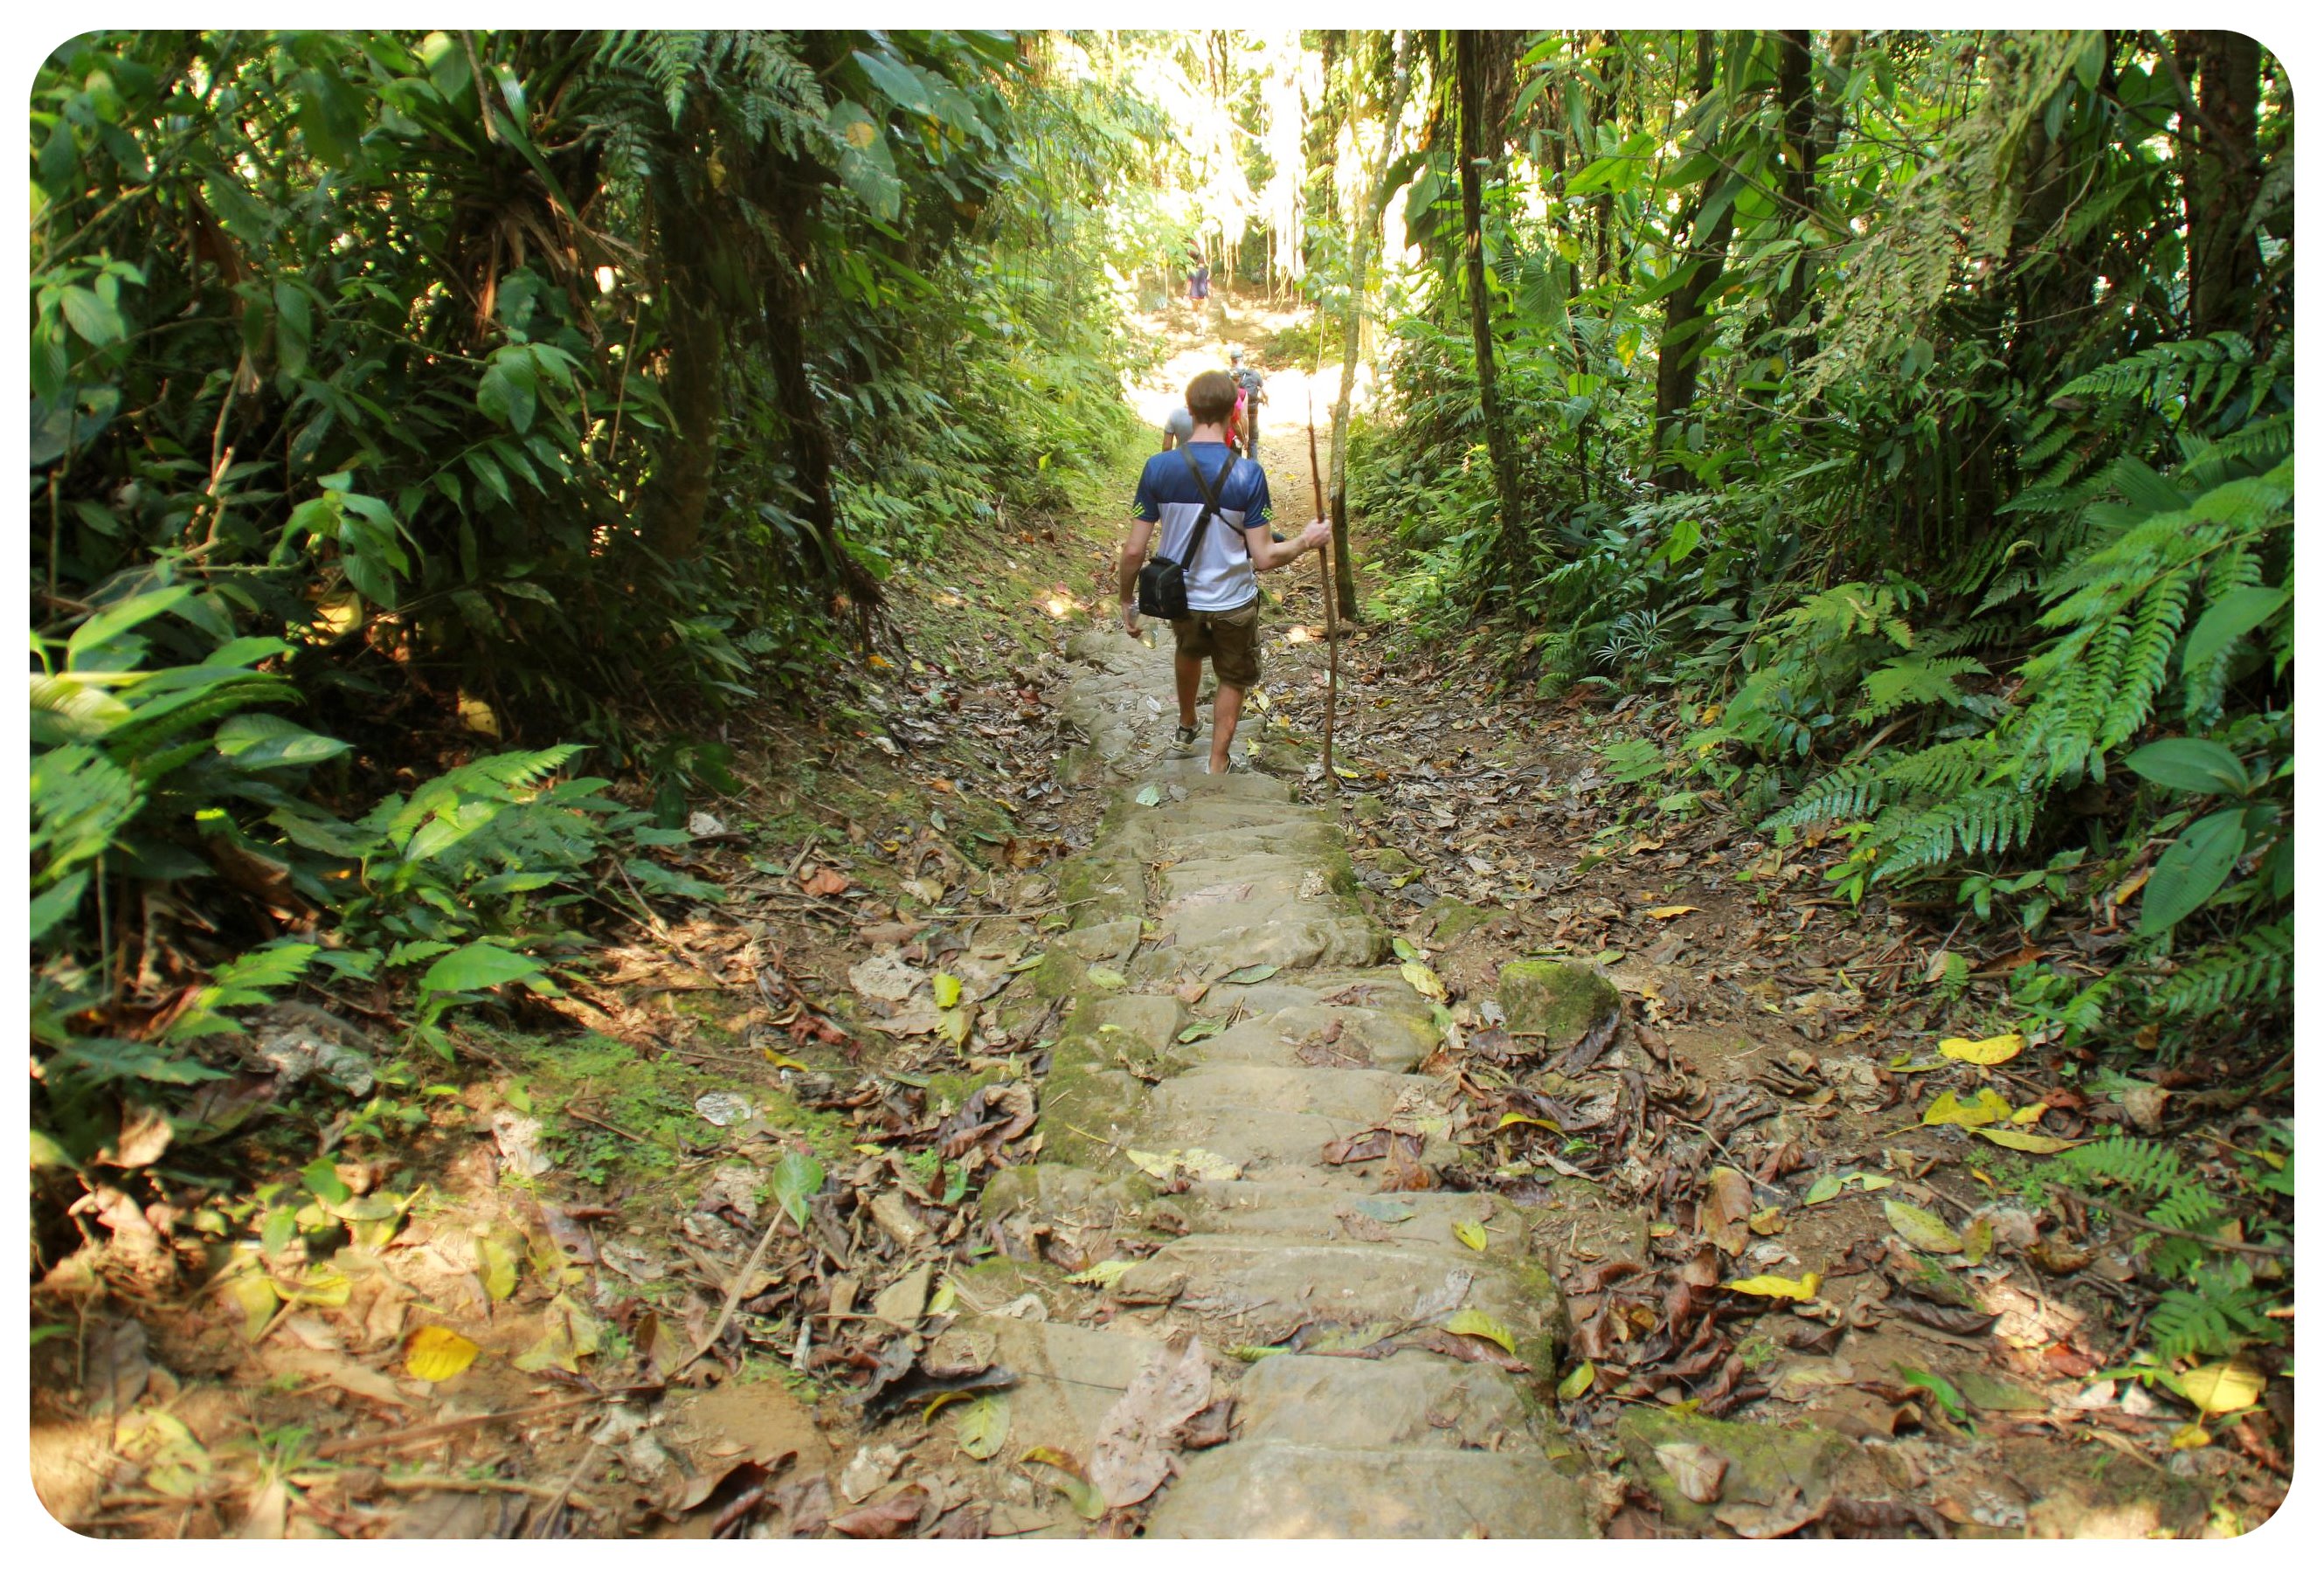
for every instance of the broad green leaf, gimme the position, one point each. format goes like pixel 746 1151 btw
pixel 509 389
pixel 2183 762
pixel 1824 1189
pixel 255 741
pixel 866 166
pixel 902 85
pixel 478 966
pixel 1577 1383
pixel 1471 1233
pixel 2192 871
pixel 2230 617
pixel 323 1181
pixel 796 1178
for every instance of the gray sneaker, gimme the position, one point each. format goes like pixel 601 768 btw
pixel 1185 737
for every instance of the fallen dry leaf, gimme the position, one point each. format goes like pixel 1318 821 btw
pixel 1135 1441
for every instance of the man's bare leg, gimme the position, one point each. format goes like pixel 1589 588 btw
pixel 1226 707
pixel 1190 680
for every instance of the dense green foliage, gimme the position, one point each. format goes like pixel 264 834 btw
pixel 1916 410
pixel 463 390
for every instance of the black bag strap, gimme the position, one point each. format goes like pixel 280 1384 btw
pixel 1210 500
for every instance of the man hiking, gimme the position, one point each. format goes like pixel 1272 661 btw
pixel 1205 488
pixel 1178 427
pixel 1253 386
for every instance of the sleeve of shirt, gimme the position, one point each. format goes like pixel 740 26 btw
pixel 1255 515
pixel 1143 504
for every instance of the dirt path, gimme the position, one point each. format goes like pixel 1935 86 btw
pixel 1235 1075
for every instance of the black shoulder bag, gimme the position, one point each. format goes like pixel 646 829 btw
pixel 1162 582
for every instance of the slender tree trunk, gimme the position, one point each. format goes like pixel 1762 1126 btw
pixel 692 376
pixel 1686 319
pixel 1795 87
pixel 786 302
pixel 2223 262
pixel 1363 233
pixel 1469 71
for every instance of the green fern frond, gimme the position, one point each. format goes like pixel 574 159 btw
pixel 2255 967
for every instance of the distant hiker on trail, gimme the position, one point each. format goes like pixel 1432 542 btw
pixel 1178 427
pixel 1253 385
pixel 1198 279
pixel 1201 578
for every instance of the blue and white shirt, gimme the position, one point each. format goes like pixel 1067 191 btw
pixel 1221 578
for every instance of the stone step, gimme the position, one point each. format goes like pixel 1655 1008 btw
pixel 1266 1143
pixel 1413 1399
pixel 1367 1038
pixel 1359 1096
pixel 1384 991
pixel 1258 1288
pixel 1208 941
pixel 1280 1492
pixel 1289 1207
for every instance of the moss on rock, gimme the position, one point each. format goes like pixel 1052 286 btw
pixel 1554 998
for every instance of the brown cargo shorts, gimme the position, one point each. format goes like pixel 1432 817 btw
pixel 1229 639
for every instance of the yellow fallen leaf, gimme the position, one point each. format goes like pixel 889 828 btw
pixel 1979 1109
pixel 1485 1326
pixel 434 1353
pixel 1470 1233
pixel 2024 1115
pixel 777 1059
pixel 1577 1383
pixel 947 989
pixel 2222 1388
pixel 1510 1119
pixel 1994 1048
pixel 1766 1222
pixel 1802 1290
pixel 1424 981
pixel 1923 1230
pixel 2032 1143
pixel 1672 911
pixel 2190 1436
pixel 1976 1241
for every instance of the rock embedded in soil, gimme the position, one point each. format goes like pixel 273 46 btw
pixel 1764 1465
pixel 1555 998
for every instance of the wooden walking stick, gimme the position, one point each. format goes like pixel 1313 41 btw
pixel 1331 602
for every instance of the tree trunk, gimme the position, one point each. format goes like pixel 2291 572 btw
pixel 1795 87
pixel 786 304
pixel 1468 69
pixel 2223 262
pixel 1363 224
pixel 692 376
pixel 1686 320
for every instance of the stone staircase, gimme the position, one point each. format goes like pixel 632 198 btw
pixel 1200 878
